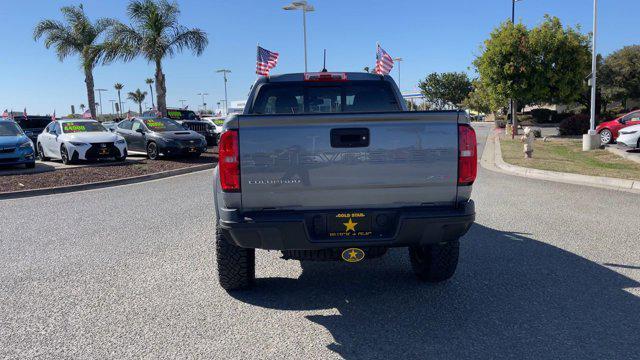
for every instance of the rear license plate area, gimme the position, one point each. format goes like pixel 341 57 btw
pixel 352 225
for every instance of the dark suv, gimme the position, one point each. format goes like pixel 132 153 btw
pixel 190 120
pixel 32 125
pixel 161 137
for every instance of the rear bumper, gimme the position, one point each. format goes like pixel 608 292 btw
pixel 289 231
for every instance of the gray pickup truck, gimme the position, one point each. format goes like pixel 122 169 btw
pixel 332 166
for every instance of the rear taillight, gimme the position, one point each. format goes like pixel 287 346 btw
pixel 229 161
pixel 467 155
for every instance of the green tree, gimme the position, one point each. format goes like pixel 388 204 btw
pixel 138 98
pixel 561 60
pixel 155 35
pixel 505 65
pixel 547 64
pixel 479 100
pixel 119 87
pixel 149 82
pixel 76 36
pixel 620 75
pixel 446 88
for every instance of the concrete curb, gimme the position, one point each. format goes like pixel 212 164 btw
pixel 577 179
pixel 104 184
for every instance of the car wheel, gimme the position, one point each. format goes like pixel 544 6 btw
pixel 236 265
pixel 152 151
pixel 41 153
pixel 606 136
pixel 64 155
pixel 436 262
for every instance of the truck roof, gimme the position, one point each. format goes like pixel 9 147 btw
pixel 300 76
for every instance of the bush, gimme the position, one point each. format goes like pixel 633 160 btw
pixel 577 124
pixel 544 116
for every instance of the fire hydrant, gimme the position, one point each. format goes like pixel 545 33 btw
pixel 528 138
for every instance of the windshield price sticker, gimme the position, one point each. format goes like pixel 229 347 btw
pixel 154 124
pixel 71 128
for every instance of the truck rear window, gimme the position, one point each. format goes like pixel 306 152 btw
pixel 306 98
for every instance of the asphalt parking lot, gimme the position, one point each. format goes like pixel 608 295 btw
pixel 549 270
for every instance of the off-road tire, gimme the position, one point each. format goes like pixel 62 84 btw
pixel 435 263
pixel 236 265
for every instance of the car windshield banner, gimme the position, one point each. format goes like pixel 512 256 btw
pixel 162 125
pixel 73 127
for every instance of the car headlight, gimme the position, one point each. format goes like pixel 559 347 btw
pixel 75 143
pixel 26 145
pixel 120 142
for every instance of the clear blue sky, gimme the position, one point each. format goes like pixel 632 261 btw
pixel 430 35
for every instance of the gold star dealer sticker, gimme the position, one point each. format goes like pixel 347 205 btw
pixel 353 255
pixel 350 225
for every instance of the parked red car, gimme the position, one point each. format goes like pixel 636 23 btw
pixel 609 130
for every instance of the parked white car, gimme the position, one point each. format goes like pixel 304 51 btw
pixel 73 140
pixel 629 136
pixel 217 129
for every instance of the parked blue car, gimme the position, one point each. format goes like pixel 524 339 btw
pixel 15 147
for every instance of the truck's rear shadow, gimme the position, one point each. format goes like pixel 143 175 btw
pixel 512 297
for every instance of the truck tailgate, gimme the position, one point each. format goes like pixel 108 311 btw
pixel 336 161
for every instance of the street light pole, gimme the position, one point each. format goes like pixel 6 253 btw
pixel 100 97
pixel 591 141
pixel 112 102
pixel 514 123
pixel 182 101
pixel 224 74
pixel 204 105
pixel 305 7
pixel 399 59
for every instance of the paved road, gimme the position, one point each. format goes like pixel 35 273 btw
pixel 129 272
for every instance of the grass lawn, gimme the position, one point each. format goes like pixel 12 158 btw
pixel 567 156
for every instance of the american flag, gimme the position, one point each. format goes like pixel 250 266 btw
pixel 86 114
pixel 53 117
pixel 384 62
pixel 5 114
pixel 266 61
pixel 24 113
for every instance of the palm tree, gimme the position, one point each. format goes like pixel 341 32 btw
pixel 138 98
pixel 118 87
pixel 149 81
pixel 155 35
pixel 77 35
